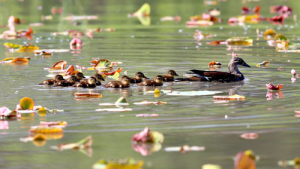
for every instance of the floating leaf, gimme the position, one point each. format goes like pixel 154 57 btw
pixel 232 97
pixel 26 103
pixel 45 130
pixel 211 166
pixel 148 136
pixel 116 76
pixel 54 123
pixel 269 34
pixel 121 100
pixel 146 115
pixel 142 12
pixel 245 160
pixel 145 102
pixel 239 41
pixel 98 95
pixel 59 65
pixel 12 46
pixel 129 163
pixel 280 37
pixel 19 60
pixel 28 49
pixel 274 87
pixel 184 148
pixel 249 136
pixel 193 93
pixel 85 143
pixel 102 63
pixel 146 148
pixel 264 63
pixel 115 109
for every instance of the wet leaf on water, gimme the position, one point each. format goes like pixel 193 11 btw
pixel 148 136
pixel 232 97
pixel 80 95
pixel 184 148
pixel 46 130
pixel 59 65
pixel 239 41
pixel 83 145
pixel 54 123
pixel 128 163
pixel 274 87
pixel 280 37
pixel 26 103
pixel 146 148
pixel 250 136
pixel 269 34
pixel 263 64
pixel 12 46
pixel 245 160
pixel 145 102
pixel 211 166
pixel 193 93
pixel 115 109
pixel 28 49
pixel 146 115
pixel 142 12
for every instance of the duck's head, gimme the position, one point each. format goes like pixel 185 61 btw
pixel 92 81
pixel 58 77
pixel 158 79
pixel 125 80
pixel 239 61
pixel 140 75
pixel 73 79
pixel 99 77
pixel 172 73
pixel 79 75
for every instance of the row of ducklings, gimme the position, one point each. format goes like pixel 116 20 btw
pixel 77 80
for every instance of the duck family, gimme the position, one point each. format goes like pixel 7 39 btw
pixel 79 80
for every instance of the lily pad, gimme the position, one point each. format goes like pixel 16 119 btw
pixel 239 41
pixel 129 163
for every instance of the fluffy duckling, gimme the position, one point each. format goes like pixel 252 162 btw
pixel 138 78
pixel 52 81
pixel 123 83
pixel 86 83
pixel 63 83
pixel 98 78
pixel 79 76
pixel 170 76
pixel 72 80
pixel 157 81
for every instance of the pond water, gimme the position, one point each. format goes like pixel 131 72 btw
pixel 153 49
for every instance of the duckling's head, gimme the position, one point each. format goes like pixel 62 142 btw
pixel 158 79
pixel 99 77
pixel 92 81
pixel 58 77
pixel 79 75
pixel 125 80
pixel 172 73
pixel 140 75
pixel 124 76
pixel 73 79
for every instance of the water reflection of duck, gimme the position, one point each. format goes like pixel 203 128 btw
pixel 233 75
pixel 138 78
pixel 123 83
pixel 52 81
pixel 157 81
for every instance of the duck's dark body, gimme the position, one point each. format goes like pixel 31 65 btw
pixel 170 76
pixel 56 79
pixel 115 84
pixel 138 78
pixel 234 75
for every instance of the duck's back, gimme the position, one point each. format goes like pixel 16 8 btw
pixel 218 76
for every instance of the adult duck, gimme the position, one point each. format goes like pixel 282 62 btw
pixel 138 78
pixel 170 76
pixel 157 81
pixel 234 74
pixel 123 83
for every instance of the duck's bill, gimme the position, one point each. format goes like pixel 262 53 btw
pixel 245 64
pixel 176 74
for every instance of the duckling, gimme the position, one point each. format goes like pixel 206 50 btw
pixel 98 78
pixel 123 83
pixel 79 75
pixel 138 78
pixel 52 81
pixel 170 76
pixel 63 83
pixel 72 80
pixel 86 83
pixel 157 81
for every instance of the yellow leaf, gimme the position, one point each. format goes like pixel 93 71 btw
pixel 26 103
pixel 143 11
